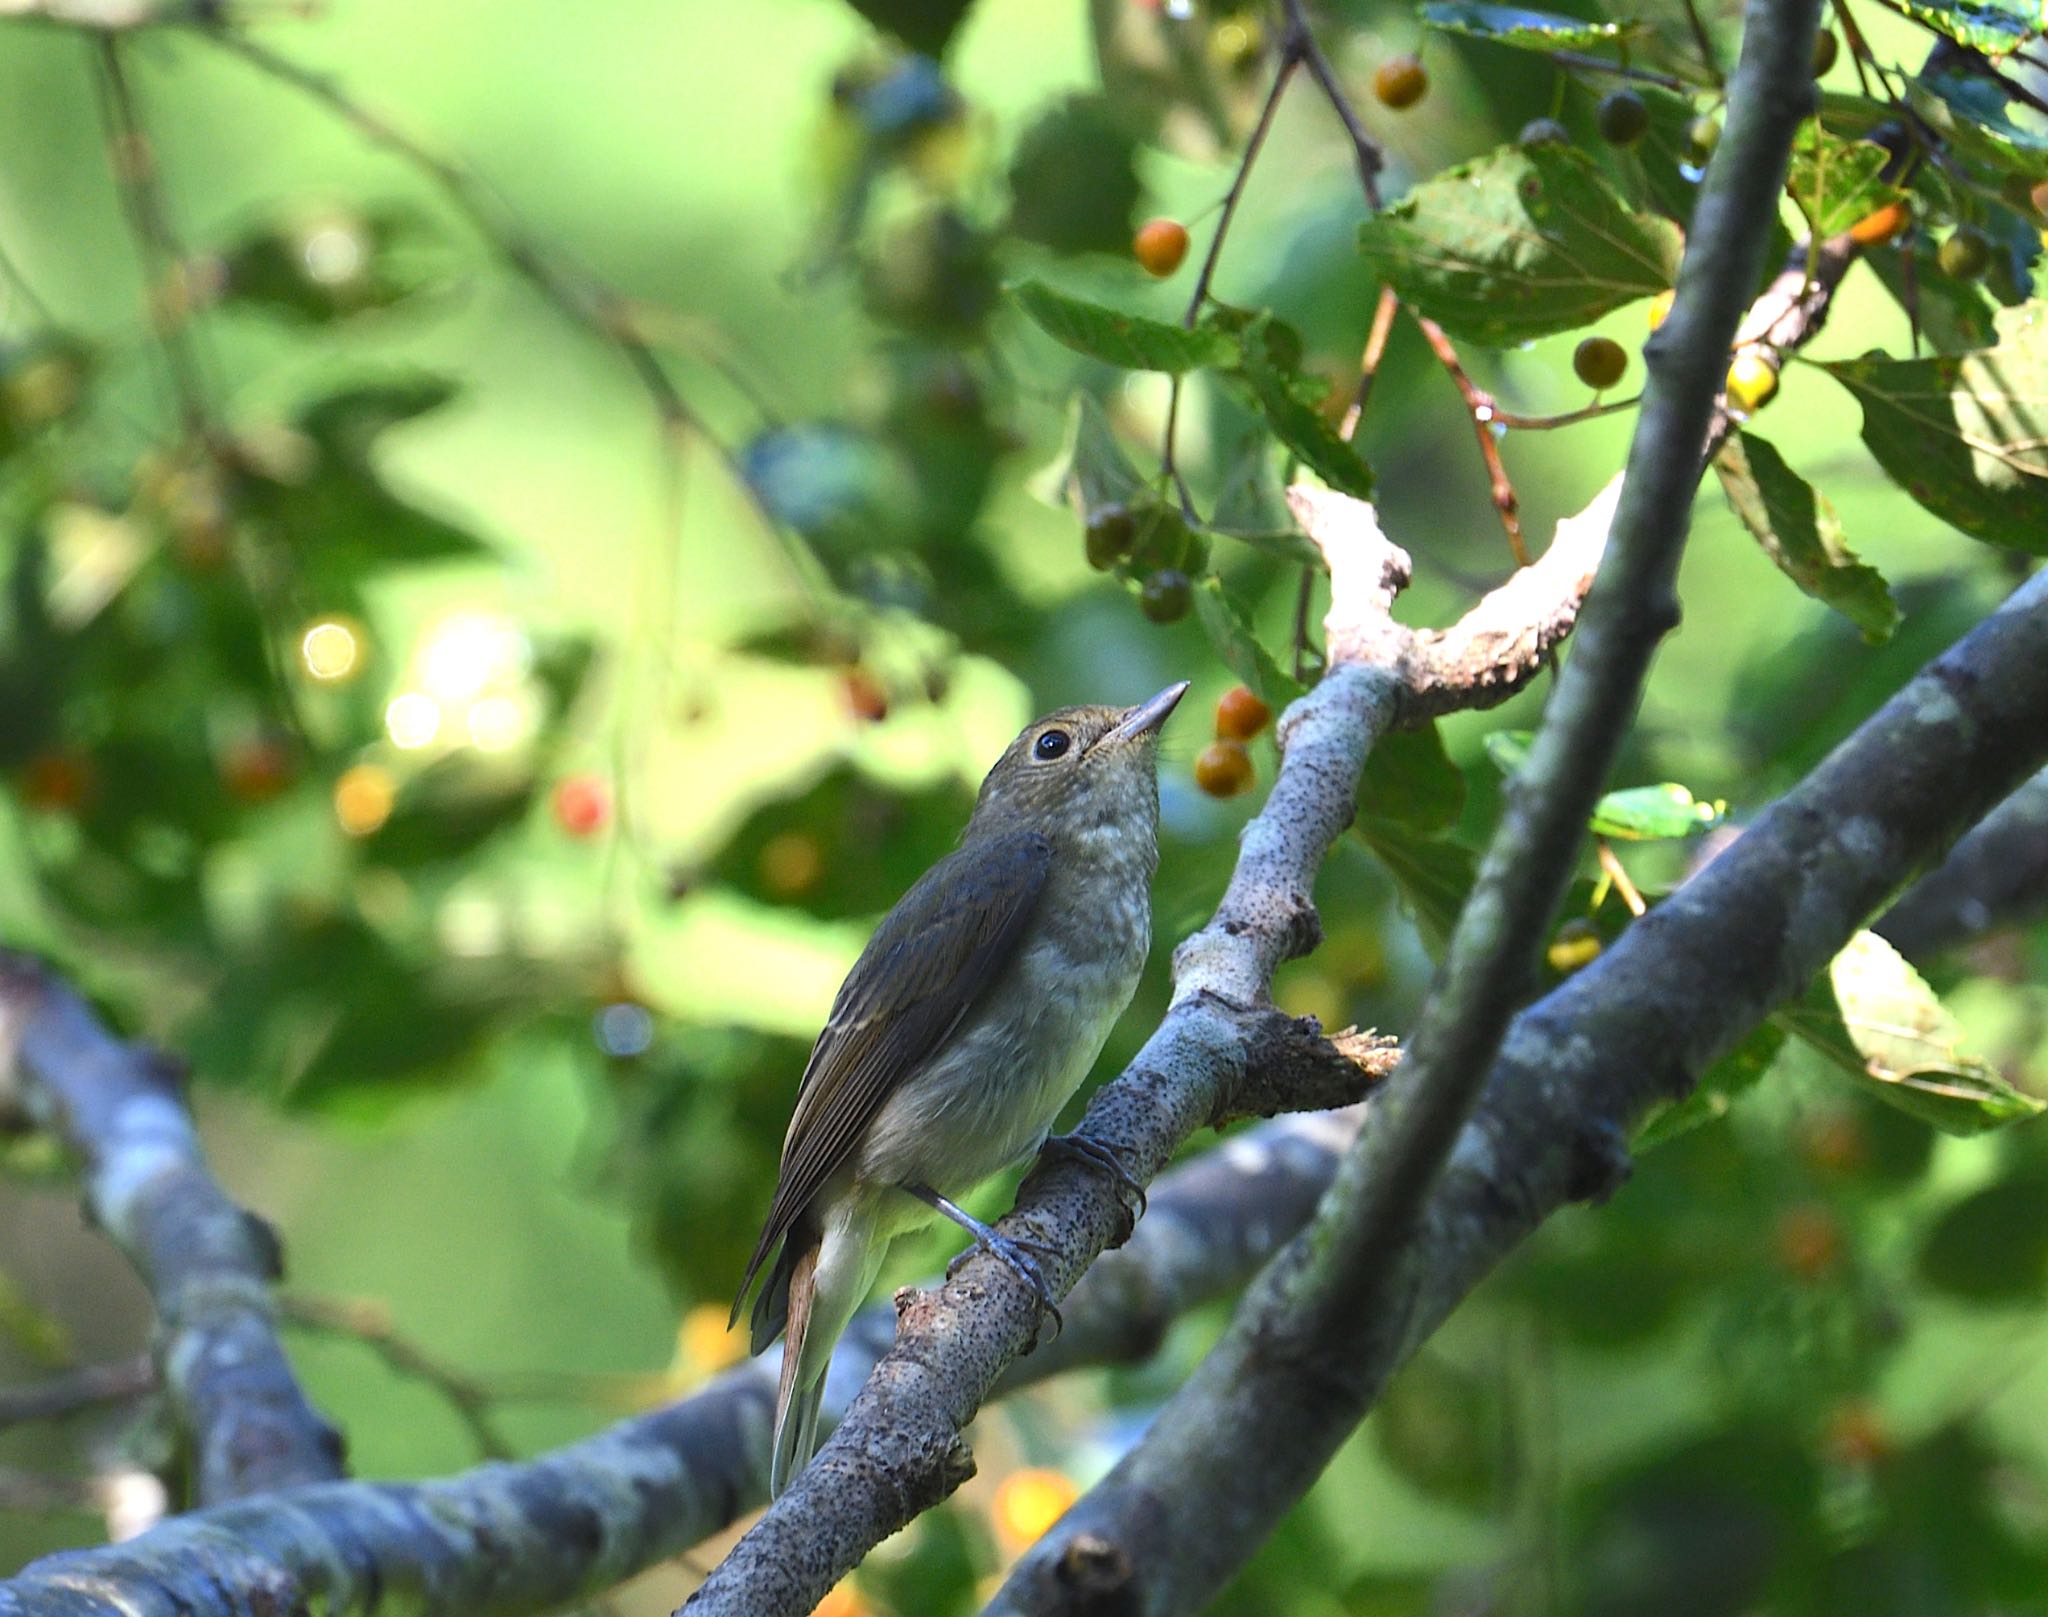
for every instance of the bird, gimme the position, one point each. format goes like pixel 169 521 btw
pixel 971 1017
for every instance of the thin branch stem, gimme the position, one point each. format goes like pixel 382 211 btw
pixel 1480 407
pixel 1705 44
pixel 1569 418
pixel 88 1387
pixel 1619 70
pixel 1383 314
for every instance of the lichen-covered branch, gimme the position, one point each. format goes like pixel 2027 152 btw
pixel 207 1263
pixel 512 1539
pixel 1996 877
pixel 899 1450
pixel 1257 1423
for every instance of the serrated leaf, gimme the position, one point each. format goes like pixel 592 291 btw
pixel 1994 27
pixel 1737 1071
pixel 1978 133
pixel 1520 244
pixel 1967 434
pixel 1521 28
pixel 1300 425
pixel 1229 628
pixel 1835 182
pixel 1800 532
pixel 1118 338
pixel 1874 1016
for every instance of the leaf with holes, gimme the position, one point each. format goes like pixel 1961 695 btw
pixel 1520 244
pixel 1967 434
pixel 1523 29
pixel 1835 182
pixel 1874 1016
pixel 1800 532
pixel 1994 27
pixel 1118 338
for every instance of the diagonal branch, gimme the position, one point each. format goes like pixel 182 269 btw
pixel 1255 1423
pixel 207 1263
pixel 1996 877
pixel 523 1538
pixel 899 1450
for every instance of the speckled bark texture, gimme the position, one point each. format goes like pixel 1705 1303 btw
pixel 523 1538
pixel 207 1263
pixel 1576 1071
pixel 899 1450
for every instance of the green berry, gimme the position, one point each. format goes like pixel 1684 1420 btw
pixel 1965 255
pixel 1108 536
pixel 1600 362
pixel 1825 49
pixel 1702 135
pixel 1166 595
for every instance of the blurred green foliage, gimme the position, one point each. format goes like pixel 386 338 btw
pixel 483 776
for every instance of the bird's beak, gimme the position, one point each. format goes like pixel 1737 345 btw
pixel 1148 716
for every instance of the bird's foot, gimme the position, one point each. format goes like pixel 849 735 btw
pixel 1009 1250
pixel 1097 1154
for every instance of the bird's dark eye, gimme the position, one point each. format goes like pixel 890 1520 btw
pixel 1053 744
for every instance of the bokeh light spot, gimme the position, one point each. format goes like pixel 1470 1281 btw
pixel 331 650
pixel 363 798
pixel 412 720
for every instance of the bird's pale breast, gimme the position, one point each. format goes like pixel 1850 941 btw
pixel 993 1090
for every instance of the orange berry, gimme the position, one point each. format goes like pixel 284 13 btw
pixel 1028 1502
pixel 1882 224
pixel 1223 768
pixel 2038 196
pixel 1808 1240
pixel 1240 715
pixel 1400 81
pixel 1160 245
pixel 583 805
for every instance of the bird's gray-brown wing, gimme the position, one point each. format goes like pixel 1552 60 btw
pixel 932 957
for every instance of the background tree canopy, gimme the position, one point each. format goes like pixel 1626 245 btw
pixel 523 528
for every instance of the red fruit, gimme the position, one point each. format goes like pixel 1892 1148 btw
pixel 1223 768
pixel 256 770
pixel 583 805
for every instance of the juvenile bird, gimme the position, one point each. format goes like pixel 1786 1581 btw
pixel 972 1015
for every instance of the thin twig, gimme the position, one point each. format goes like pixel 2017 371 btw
pixel 1569 418
pixel 1383 314
pixel 88 1387
pixel 1365 150
pixel 1480 407
pixel 167 290
pixel 370 1324
pixel 1620 70
pixel 1705 43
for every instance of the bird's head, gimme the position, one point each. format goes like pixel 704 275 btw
pixel 1078 769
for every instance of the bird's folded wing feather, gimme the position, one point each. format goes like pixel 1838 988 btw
pixel 930 960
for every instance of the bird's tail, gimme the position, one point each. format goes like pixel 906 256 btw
pixel 802 1387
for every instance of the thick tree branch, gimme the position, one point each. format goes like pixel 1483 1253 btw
pixel 1254 1427
pixel 522 1538
pixel 1577 1070
pixel 1996 877
pixel 207 1263
pixel 899 1450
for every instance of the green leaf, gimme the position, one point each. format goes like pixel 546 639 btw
pixel 1518 245
pixel 1834 182
pixel 1073 179
pixel 1410 779
pixel 1296 421
pixel 1229 628
pixel 1654 813
pixel 1523 29
pixel 1091 469
pixel 1117 338
pixel 1800 532
pixel 1434 875
pixel 1992 1246
pixel 1738 1070
pixel 1632 814
pixel 1967 434
pixel 1979 133
pixel 1875 1017
pixel 1954 315
pixel 331 264
pixel 1994 27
